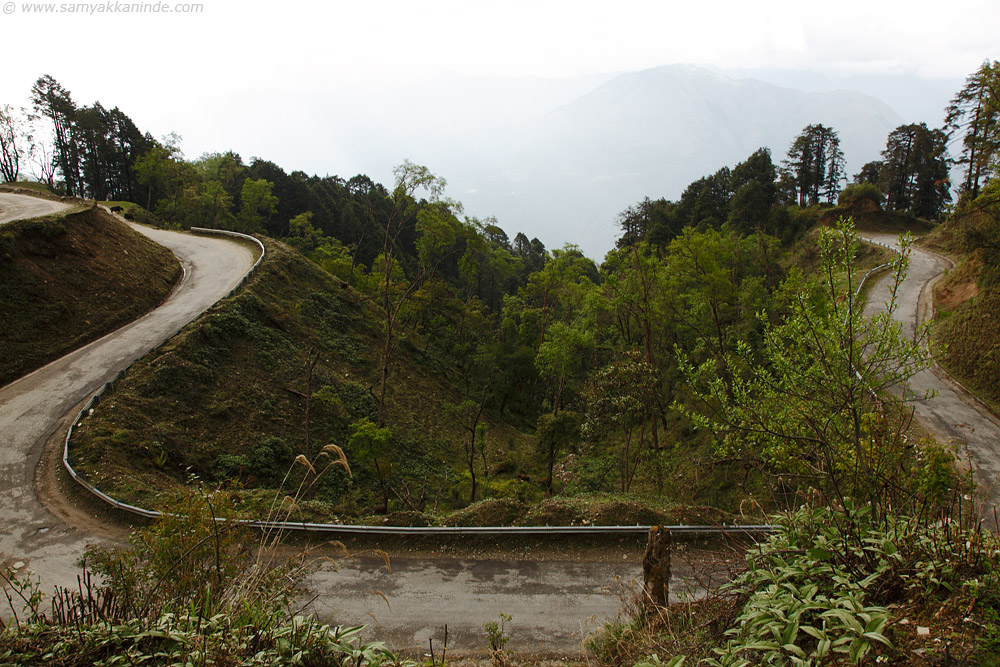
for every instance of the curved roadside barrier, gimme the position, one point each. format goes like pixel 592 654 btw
pixel 329 528
pixel 88 408
pixel 880 267
pixel 244 237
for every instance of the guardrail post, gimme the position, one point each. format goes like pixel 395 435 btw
pixel 656 568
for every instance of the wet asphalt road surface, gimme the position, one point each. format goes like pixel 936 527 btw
pixel 19 207
pixel 952 415
pixel 32 408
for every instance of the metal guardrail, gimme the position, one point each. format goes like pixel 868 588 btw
pixel 69 459
pixel 502 530
pixel 329 528
pixel 878 268
pixel 253 269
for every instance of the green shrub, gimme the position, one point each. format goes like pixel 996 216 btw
pixel 359 402
pixel 819 589
pixel 858 191
pixel 186 561
pixel 492 512
pixel 270 459
pixel 189 590
pixel 935 475
pixel 516 489
pixel 231 466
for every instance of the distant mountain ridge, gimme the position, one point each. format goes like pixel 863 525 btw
pixel 650 133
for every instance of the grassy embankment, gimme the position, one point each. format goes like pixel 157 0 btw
pixel 966 336
pixel 68 279
pixel 226 401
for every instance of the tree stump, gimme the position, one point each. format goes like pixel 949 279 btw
pixel 656 568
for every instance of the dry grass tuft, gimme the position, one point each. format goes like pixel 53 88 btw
pixel 302 460
pixel 384 598
pixel 385 557
pixel 341 457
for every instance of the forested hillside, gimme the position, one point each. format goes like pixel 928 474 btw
pixel 551 374
pixel 397 361
pixel 452 364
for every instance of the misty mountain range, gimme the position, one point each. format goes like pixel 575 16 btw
pixel 651 133
pixel 560 158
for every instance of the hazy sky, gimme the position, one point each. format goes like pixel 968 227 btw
pixel 287 80
pixel 139 61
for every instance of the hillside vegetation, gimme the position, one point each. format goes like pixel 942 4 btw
pixel 397 361
pixel 66 280
pixel 472 379
pixel 226 401
pixel 967 332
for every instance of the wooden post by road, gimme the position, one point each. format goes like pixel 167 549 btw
pixel 656 568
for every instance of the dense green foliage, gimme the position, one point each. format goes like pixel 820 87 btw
pixel 95 149
pixel 913 173
pixel 516 337
pixel 812 401
pixel 815 166
pixel 974 116
pixel 746 199
pixel 858 192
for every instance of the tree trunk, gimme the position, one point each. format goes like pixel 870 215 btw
pixel 311 360
pixel 656 569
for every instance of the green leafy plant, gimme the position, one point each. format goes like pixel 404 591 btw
pixel 814 402
pixel 497 638
pixel 858 191
pixel 654 661
pixel 22 591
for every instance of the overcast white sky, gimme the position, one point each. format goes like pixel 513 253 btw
pixel 240 68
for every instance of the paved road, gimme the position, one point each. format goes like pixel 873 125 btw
pixel 31 408
pixel 19 207
pixel 554 603
pixel 952 415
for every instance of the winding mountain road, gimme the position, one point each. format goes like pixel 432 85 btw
pixel 952 415
pixel 33 407
pixel 554 603
pixel 19 207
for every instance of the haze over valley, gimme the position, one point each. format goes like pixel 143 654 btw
pixel 559 158
pixel 537 323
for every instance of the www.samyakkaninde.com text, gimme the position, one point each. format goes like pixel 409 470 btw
pixel 92 8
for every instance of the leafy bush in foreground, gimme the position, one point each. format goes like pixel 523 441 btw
pixel 193 588
pixel 812 596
